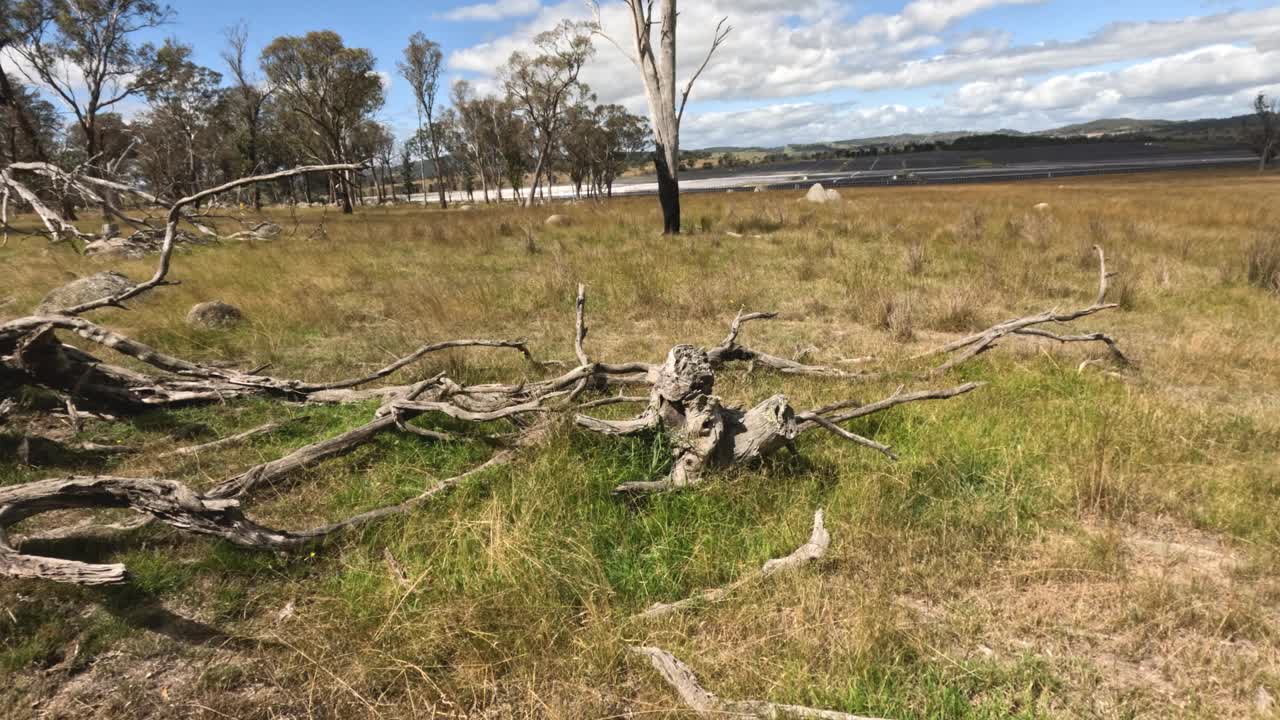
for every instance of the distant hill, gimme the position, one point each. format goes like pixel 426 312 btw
pixel 1208 130
pixel 1109 126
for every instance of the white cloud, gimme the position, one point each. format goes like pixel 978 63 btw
pixel 925 16
pixel 805 52
pixel 814 47
pixel 1216 70
pixel 1115 43
pixel 499 10
pixel 982 41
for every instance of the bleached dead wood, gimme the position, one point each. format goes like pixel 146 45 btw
pixel 973 345
pixel 705 434
pixel 173 504
pixel 680 678
pixel 813 549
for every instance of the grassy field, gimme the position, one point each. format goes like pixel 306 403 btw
pixel 1066 542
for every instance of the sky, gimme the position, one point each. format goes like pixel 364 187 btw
pixel 798 71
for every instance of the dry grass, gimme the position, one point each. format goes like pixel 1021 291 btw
pixel 1263 262
pixel 1064 543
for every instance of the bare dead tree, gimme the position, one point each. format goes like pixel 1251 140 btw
pixel 658 71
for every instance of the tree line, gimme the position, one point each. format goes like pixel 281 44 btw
pixel 74 65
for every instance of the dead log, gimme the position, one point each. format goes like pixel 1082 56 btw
pixel 704 433
pixel 173 504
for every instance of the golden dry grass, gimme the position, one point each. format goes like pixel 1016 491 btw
pixel 1064 543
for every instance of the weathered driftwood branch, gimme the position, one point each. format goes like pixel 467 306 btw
pixel 813 549
pixel 729 350
pixel 87 187
pixel 707 704
pixel 171 503
pixel 54 224
pixel 704 433
pixel 971 346
pixel 28 349
pixel 175 216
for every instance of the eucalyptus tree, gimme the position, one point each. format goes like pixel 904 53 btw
pixel 1264 138
pixel 29 124
pixel 86 55
pixel 332 87
pixel 421 67
pixel 180 134
pixel 542 84
pixel 249 100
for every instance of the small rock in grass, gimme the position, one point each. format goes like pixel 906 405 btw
pixel 214 314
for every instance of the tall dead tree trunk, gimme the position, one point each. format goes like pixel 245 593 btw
pixel 658 71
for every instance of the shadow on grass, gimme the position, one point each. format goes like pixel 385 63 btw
pixel 142 611
pixel 46 453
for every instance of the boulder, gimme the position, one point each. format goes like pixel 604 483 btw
pixel 1042 206
pixel 559 221
pixel 214 314
pixel 93 287
pixel 819 194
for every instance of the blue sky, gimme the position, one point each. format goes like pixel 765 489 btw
pixel 827 69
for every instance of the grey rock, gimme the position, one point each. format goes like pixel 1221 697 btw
pixel 214 314
pixel 93 287
pixel 819 194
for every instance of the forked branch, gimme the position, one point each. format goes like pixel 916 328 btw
pixel 970 347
